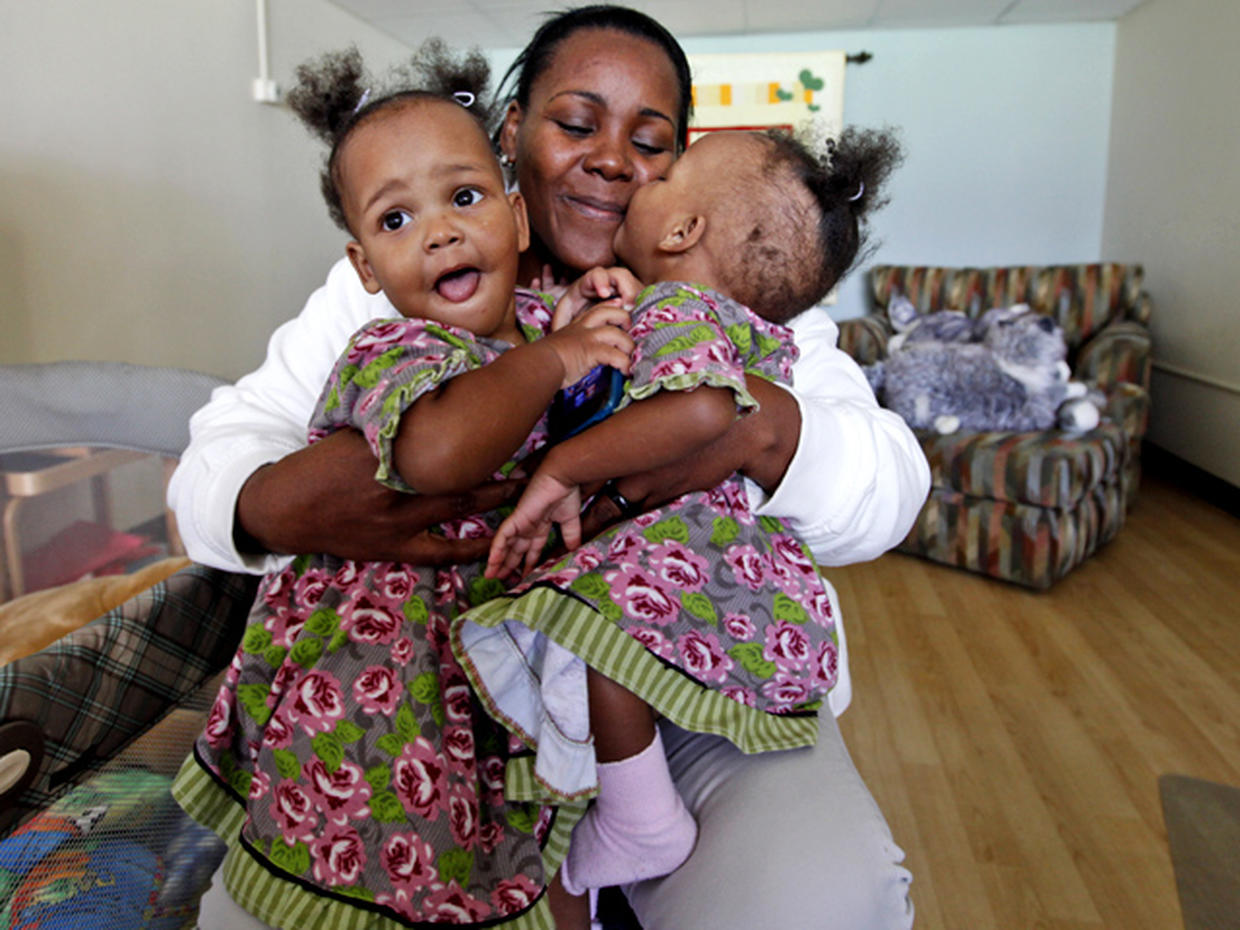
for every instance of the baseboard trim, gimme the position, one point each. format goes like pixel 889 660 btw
pixel 1158 462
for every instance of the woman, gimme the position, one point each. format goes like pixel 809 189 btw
pixel 600 108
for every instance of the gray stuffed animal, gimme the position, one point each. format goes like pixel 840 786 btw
pixel 1004 371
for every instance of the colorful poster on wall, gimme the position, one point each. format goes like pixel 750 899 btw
pixel 767 90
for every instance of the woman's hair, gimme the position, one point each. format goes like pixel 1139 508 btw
pixel 536 57
pixel 334 95
pixel 786 261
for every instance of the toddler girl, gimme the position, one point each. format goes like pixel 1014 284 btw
pixel 697 611
pixel 346 763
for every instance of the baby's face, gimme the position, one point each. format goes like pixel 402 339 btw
pixel 696 185
pixel 434 229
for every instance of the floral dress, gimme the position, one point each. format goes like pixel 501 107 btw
pixel 717 618
pixel 357 780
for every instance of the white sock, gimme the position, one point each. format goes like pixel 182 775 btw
pixel 637 828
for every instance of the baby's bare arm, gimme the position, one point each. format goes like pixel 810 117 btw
pixel 455 437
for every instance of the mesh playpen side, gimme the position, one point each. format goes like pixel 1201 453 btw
pixel 94 726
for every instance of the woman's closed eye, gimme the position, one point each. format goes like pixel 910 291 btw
pixel 575 129
pixel 466 196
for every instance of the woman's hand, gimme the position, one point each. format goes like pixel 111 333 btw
pixel 324 498
pixel 520 539
pixel 596 337
pixel 617 285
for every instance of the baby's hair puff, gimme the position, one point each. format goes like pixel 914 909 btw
pixel 845 178
pixel 334 94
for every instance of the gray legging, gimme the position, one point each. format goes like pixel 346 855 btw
pixel 788 839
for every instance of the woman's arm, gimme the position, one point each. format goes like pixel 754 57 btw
pixel 847 476
pixel 858 477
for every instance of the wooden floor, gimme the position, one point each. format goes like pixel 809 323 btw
pixel 1014 739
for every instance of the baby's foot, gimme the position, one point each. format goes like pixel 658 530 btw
pixel 638 828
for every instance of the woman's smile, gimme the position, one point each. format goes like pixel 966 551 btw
pixel 607 211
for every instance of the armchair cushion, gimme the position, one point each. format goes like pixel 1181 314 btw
pixel 1044 469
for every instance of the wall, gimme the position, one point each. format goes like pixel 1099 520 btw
pixel 1172 199
pixel 1005 130
pixel 149 209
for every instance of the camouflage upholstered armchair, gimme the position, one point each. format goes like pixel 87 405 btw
pixel 1030 507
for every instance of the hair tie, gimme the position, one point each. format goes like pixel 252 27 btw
pixel 361 101
pixel 464 98
pixel 860 191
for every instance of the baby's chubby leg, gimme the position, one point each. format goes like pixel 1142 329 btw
pixel 638 827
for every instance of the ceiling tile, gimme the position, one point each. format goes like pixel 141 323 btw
pixel 509 23
pixel 900 14
pixel 796 15
pixel 1058 11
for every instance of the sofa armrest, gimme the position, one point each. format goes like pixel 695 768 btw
pixel 1119 353
pixel 865 338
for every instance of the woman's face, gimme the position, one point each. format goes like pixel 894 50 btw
pixel 601 122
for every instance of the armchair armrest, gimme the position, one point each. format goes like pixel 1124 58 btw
pixel 1119 353
pixel 865 338
pixel 1128 406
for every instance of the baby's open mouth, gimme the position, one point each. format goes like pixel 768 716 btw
pixel 458 285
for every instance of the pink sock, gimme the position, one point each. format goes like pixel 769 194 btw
pixel 637 828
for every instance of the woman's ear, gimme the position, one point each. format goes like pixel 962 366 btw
pixel 686 232
pixel 357 256
pixel 522 218
pixel 508 131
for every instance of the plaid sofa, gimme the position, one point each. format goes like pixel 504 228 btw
pixel 1029 507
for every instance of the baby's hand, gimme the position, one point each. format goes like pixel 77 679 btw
pixel 548 283
pixel 614 284
pixel 597 337
pixel 520 539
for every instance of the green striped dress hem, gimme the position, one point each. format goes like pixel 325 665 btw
pixel 284 902
pixel 580 629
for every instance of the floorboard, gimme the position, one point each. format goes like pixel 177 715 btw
pixel 1014 739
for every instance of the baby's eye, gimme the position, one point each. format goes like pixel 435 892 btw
pixel 466 197
pixel 394 220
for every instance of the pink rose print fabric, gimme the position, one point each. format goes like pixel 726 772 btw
pixel 715 616
pixel 346 732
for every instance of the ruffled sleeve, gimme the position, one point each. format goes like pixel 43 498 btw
pixel 688 336
pixel 387 366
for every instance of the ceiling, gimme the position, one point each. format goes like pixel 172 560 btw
pixel 508 23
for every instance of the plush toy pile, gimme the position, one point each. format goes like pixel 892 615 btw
pixel 1006 370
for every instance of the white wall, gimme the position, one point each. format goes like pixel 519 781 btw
pixel 149 209
pixel 1173 198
